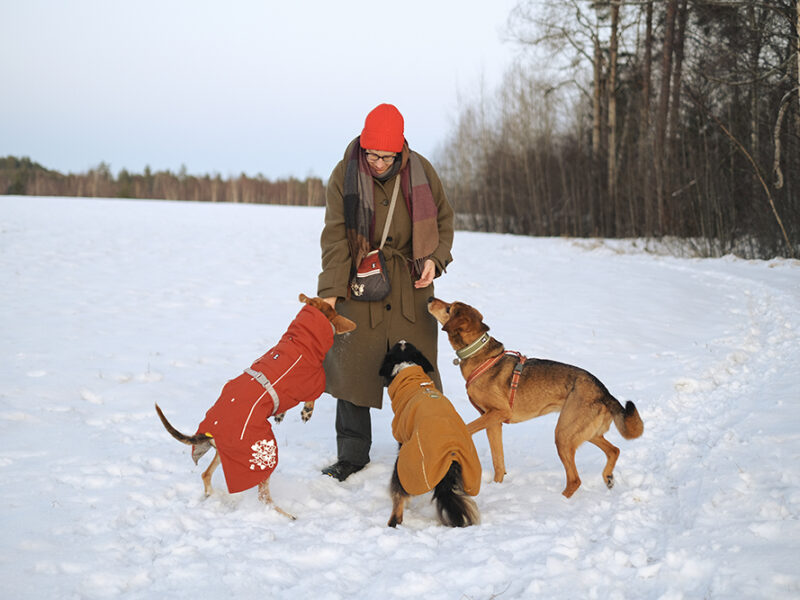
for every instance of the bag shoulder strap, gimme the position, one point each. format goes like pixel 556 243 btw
pixel 391 212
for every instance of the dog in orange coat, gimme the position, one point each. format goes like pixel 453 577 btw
pixel 436 451
pixel 238 426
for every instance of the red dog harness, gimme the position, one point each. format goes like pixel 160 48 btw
pixel 290 373
pixel 488 364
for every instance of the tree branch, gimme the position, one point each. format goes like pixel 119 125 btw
pixel 764 185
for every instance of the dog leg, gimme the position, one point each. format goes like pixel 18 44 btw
pixel 208 473
pixel 612 453
pixel 487 419
pixel 495 434
pixel 571 432
pixel 566 452
pixel 398 505
pixel 266 498
pixel 399 498
pixel 305 414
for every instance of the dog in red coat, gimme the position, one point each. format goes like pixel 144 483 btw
pixel 238 426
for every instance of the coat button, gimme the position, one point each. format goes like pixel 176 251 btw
pixel 385 202
pixel 388 307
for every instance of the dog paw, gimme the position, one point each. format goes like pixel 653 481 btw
pixel 571 488
pixel 308 410
pixel 610 481
pixel 279 417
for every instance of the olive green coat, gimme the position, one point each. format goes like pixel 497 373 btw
pixel 352 364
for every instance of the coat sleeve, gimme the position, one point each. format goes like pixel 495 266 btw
pixel 333 279
pixel 441 256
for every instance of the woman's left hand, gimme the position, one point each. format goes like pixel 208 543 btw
pixel 428 272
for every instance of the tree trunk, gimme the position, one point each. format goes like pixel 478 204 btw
pixel 612 118
pixel 755 51
pixel 645 138
pixel 596 96
pixel 663 112
pixel 677 70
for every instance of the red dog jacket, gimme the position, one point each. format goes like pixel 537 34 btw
pixel 431 433
pixel 290 373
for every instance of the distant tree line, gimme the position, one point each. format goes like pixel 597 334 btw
pixel 640 118
pixel 23 176
pixel 655 119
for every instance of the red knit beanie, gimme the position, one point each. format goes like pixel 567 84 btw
pixel 383 129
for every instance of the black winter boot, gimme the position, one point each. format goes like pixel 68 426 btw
pixel 341 470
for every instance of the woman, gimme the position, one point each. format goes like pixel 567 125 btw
pixel 417 249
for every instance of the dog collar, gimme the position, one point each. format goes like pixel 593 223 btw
pixel 473 348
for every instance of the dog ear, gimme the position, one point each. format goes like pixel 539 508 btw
pixel 461 316
pixel 413 354
pixel 387 365
pixel 423 362
pixel 342 324
pixel 453 323
pixel 482 327
pixel 303 298
pixel 464 320
pixel 470 312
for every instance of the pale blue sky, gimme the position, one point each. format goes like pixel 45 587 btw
pixel 277 88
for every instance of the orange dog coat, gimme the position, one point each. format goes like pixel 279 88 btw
pixel 431 434
pixel 290 373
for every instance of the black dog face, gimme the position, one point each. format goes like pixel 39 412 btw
pixel 403 352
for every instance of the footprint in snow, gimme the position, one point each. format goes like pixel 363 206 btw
pixel 91 397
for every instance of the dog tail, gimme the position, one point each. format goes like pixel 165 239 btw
pixel 627 419
pixel 200 443
pixel 454 507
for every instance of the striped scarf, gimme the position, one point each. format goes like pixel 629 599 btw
pixel 359 205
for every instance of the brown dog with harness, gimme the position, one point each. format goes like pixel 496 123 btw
pixel 506 387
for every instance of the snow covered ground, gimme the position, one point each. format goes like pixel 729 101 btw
pixel 109 306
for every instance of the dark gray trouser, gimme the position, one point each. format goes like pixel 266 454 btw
pixel 353 432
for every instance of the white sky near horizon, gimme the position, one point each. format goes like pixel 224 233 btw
pixel 272 88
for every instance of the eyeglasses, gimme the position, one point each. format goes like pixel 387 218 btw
pixel 387 160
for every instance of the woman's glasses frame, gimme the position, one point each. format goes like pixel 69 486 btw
pixel 373 158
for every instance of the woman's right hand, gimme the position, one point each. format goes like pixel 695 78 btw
pixel 331 301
